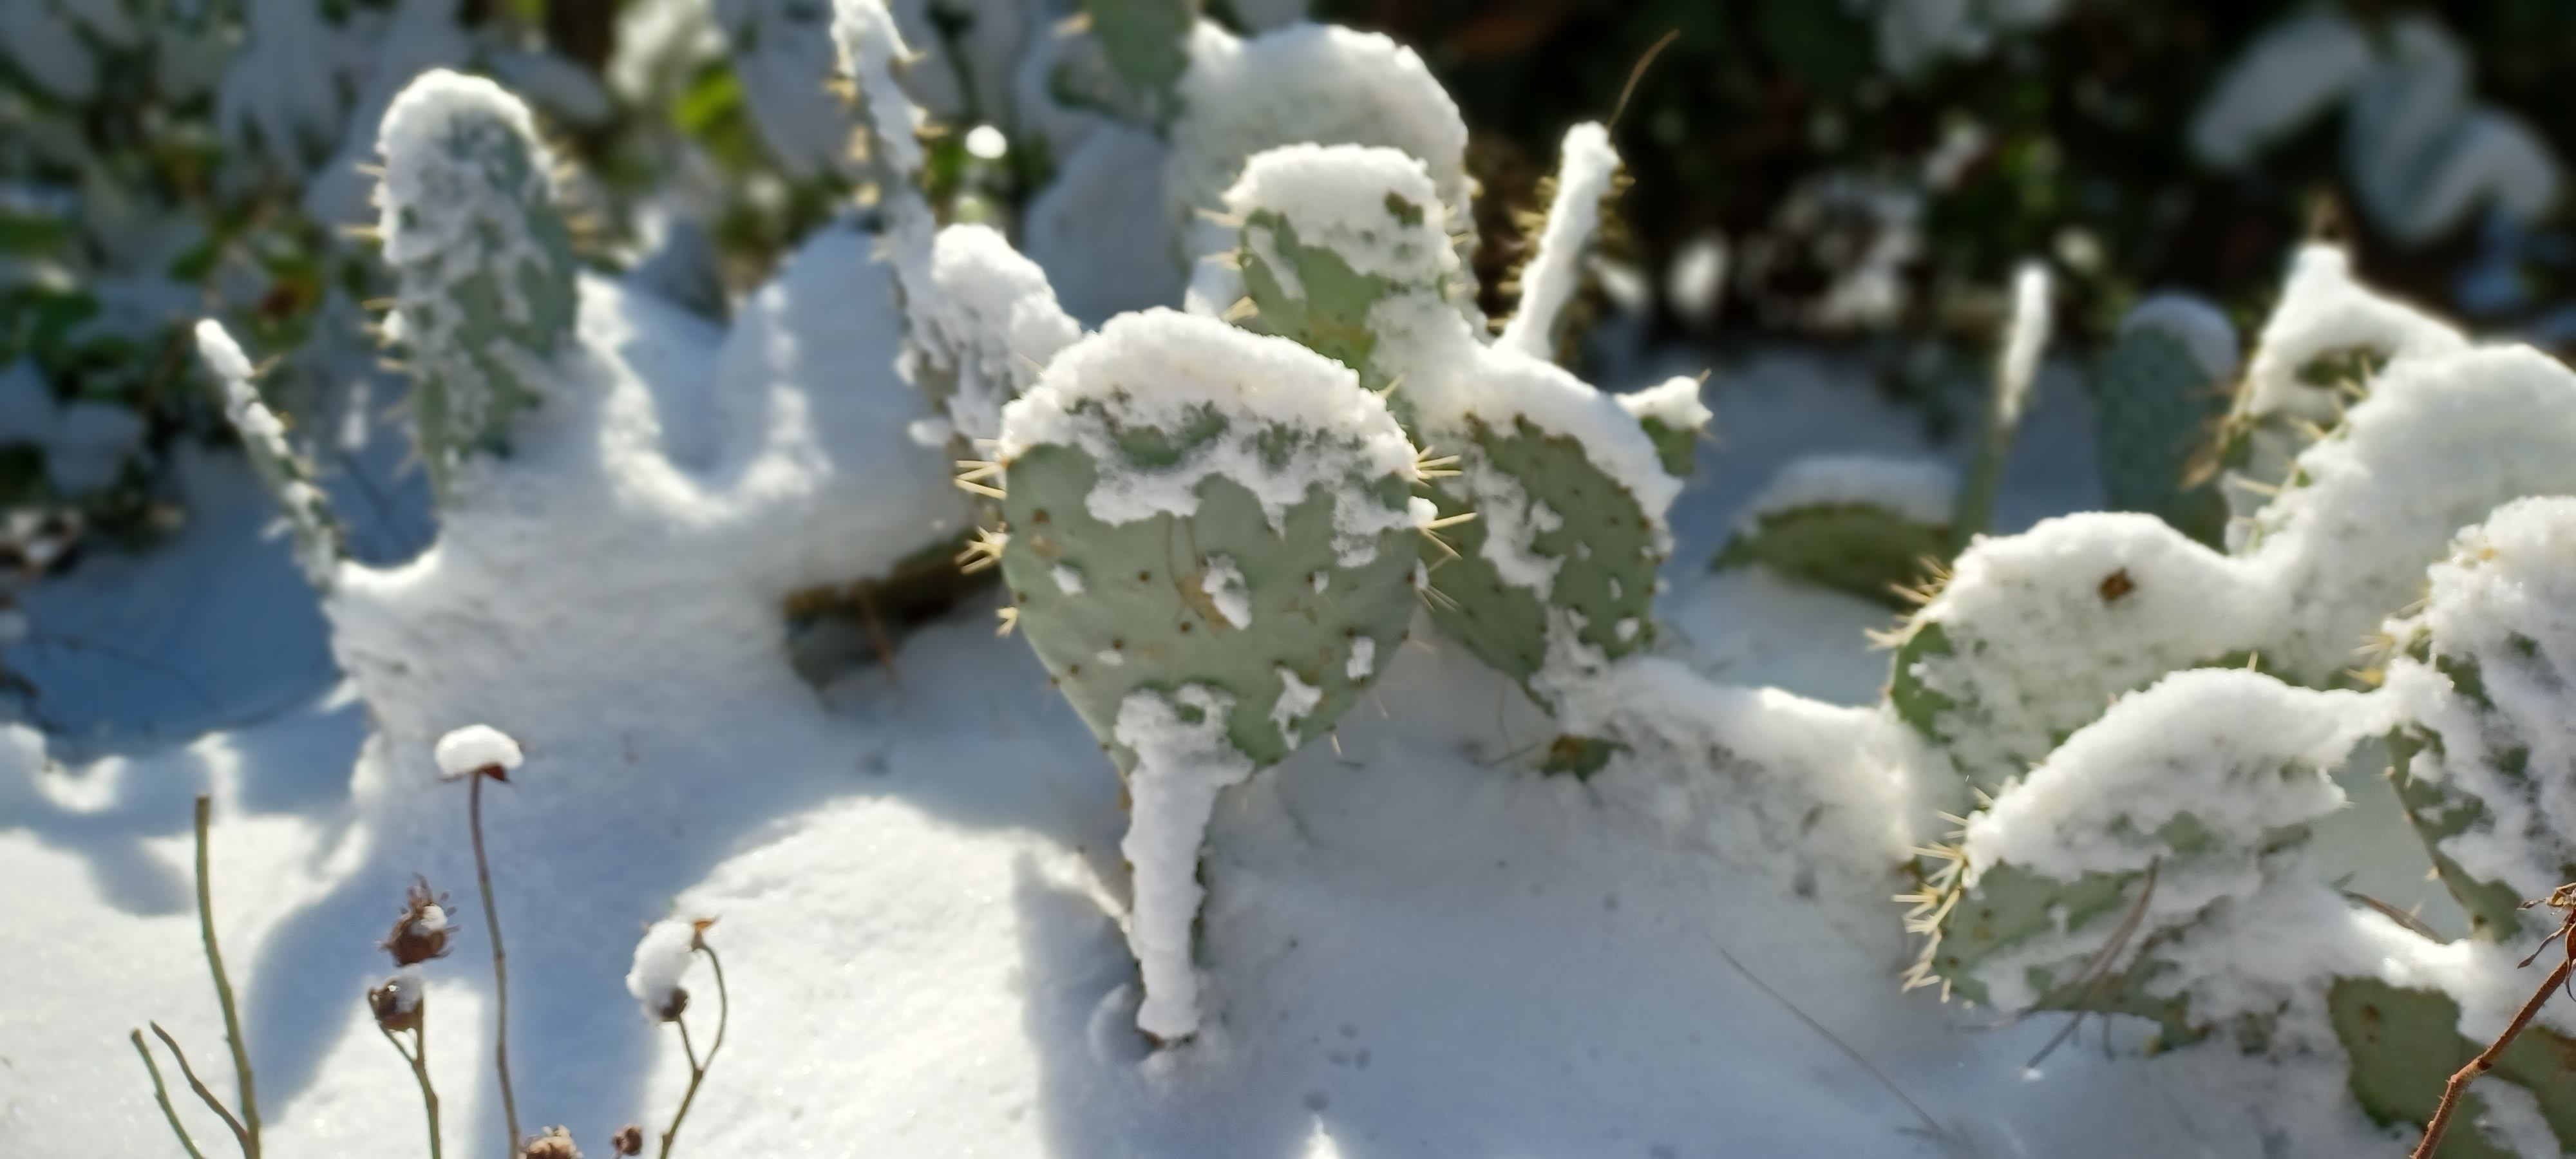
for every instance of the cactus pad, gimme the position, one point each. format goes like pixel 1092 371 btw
pixel 2159 402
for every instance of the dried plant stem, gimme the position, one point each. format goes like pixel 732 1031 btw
pixel 198 1085
pixel 418 1057
pixel 2486 1059
pixel 248 1128
pixel 697 1066
pixel 500 965
pixel 161 1095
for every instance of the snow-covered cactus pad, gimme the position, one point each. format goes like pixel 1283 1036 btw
pixel 482 260
pixel 1556 504
pixel 286 472
pixel 2158 402
pixel 2487 762
pixel 1190 504
pixel 2036 632
pixel 987 325
pixel 1209 548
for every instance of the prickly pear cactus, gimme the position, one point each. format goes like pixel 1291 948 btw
pixel 1147 42
pixel 2158 402
pixel 1552 505
pixel 1872 527
pixel 483 265
pixel 2486 666
pixel 1210 549
pixel 286 472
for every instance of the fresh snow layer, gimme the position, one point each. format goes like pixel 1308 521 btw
pixel 1181 764
pixel 1586 167
pixel 988 326
pixel 662 957
pixel 1165 370
pixel 2017 368
pixel 1920 491
pixel 474 748
pixel 2324 311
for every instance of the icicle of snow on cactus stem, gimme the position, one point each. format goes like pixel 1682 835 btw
pixel 288 476
pixel 474 748
pixel 483 264
pixel 1183 760
pixel 1585 176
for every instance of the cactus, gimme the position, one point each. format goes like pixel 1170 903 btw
pixel 482 263
pixel 2158 402
pixel 1147 42
pixel 2486 665
pixel 1558 493
pixel 285 471
pixel 1209 550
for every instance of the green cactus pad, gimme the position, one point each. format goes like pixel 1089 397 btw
pixel 1329 311
pixel 1562 512
pixel 1148 43
pixel 1859 549
pixel 2158 407
pixel 1111 608
pixel 1191 504
pixel 482 261
pixel 2405 1044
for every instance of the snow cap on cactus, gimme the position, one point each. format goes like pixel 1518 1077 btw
pixel 661 959
pixel 477 748
pixel 1672 415
pixel 872 47
pixel 483 267
pixel 1310 83
pixel 1864 524
pixel 988 328
pixel 288 475
pixel 2489 753
pixel 1269 465
pixel 1586 175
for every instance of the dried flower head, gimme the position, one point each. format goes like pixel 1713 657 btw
pixel 629 1140
pixel 556 1143
pixel 396 1004
pixel 421 932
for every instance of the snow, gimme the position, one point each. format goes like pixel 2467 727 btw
pixel 1297 700
pixel 1363 659
pixel 2324 311
pixel 990 322
pixel 1181 763
pixel 1162 369
pixel 1586 167
pixel 1223 583
pixel 2024 339
pixel 1673 402
pixel 1920 491
pixel 474 748
pixel 871 45
pixel 662 956
pixel 1067 579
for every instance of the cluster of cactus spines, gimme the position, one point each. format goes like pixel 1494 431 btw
pixel 2158 402
pixel 482 260
pixel 2486 767
pixel 1342 248
pixel 1210 549
pixel 286 472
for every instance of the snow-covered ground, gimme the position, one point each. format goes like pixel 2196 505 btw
pixel 1415 944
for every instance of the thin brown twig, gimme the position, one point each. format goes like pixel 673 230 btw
pixel 161 1095
pixel 698 1067
pixel 500 964
pixel 1929 1123
pixel 2562 898
pixel 248 1129
pixel 1639 73
pixel 418 1057
pixel 198 1085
